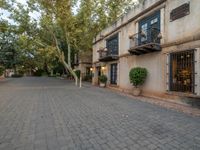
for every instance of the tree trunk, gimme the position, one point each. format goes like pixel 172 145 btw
pixel 68 68
pixel 62 58
pixel 69 54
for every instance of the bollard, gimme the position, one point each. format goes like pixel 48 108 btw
pixel 80 82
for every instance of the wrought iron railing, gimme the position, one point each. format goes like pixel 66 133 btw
pixel 151 35
pixel 106 53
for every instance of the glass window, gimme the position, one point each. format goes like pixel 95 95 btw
pixel 144 32
pixel 154 21
pixel 113 45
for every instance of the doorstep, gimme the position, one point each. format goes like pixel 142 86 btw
pixel 170 102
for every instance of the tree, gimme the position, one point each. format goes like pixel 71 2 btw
pixel 58 22
pixel 8 48
pixel 60 31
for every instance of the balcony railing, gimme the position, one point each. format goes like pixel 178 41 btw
pixel 145 41
pixel 106 55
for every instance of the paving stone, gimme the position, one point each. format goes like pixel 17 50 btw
pixel 53 114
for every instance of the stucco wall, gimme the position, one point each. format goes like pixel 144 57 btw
pixel 172 32
pixel 126 63
pixel 124 32
pixel 185 26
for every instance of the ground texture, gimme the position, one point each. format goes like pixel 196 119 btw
pixel 53 114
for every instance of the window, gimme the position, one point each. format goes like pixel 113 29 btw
pixel 182 71
pixel 113 45
pixel 149 29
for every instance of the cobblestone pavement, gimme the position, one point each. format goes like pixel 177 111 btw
pixel 53 114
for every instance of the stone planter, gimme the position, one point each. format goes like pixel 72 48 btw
pixel 102 85
pixel 136 91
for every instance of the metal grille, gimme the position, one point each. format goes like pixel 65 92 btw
pixel 182 71
pixel 180 12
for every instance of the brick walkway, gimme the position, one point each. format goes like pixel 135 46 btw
pixel 53 114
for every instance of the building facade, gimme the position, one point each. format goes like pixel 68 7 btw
pixel 162 36
pixel 83 62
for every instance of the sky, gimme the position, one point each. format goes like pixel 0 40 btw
pixel 34 15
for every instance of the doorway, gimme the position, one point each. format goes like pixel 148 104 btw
pixel 113 74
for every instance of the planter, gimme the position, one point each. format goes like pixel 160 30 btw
pixel 102 84
pixel 136 91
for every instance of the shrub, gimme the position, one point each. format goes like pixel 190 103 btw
pixel 138 76
pixel 1 71
pixel 38 73
pixel 103 78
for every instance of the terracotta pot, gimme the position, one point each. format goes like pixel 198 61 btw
pixel 136 91
pixel 102 84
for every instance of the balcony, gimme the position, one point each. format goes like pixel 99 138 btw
pixel 145 42
pixel 105 55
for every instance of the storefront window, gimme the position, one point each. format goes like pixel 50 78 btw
pixel 182 71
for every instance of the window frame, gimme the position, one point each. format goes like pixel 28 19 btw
pixel 112 45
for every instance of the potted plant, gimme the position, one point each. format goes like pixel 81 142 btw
pixel 103 79
pixel 137 77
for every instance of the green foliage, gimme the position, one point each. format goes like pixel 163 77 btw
pixel 103 78
pixel 78 73
pixel 138 76
pixel 1 70
pixel 38 73
pixel 59 32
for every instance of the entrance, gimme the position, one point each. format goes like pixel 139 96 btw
pixel 113 74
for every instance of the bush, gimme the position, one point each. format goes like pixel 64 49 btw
pixel 38 73
pixel 78 73
pixel 1 71
pixel 57 74
pixel 103 78
pixel 87 78
pixel 17 76
pixel 138 76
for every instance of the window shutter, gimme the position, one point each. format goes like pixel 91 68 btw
pixel 167 72
pixel 197 71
